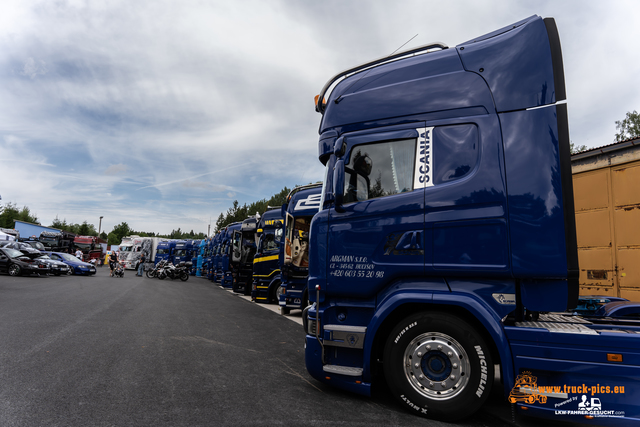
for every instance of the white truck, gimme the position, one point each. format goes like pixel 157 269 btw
pixel 140 245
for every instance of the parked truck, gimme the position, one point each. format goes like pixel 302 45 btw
pixel 243 249
pixel 445 245
pixel 165 251
pixel 130 253
pixel 125 247
pixel 90 247
pixel 229 272
pixel 302 204
pixel 216 258
pixel 266 286
pixel 57 241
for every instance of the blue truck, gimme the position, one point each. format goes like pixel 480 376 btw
pixel 243 249
pixel 266 261
pixel 207 262
pixel 227 272
pixel 201 251
pixel 181 252
pixel 217 257
pixel 166 250
pixel 187 250
pixel 302 204
pixel 445 246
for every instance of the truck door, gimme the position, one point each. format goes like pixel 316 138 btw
pixel 236 246
pixel 376 233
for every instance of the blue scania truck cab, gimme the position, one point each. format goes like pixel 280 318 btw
pixel 243 249
pixel 215 256
pixel 218 271
pixel 266 265
pixel 200 257
pixel 166 251
pixel 228 272
pixel 181 252
pixel 446 242
pixel 207 263
pixel 302 204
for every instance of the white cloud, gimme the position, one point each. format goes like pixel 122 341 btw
pixel 160 113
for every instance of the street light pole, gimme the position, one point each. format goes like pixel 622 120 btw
pixel 100 226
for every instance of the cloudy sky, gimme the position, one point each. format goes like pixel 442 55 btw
pixel 161 113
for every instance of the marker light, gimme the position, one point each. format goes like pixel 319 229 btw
pixel 614 357
pixel 324 101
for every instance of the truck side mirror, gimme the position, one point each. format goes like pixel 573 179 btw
pixel 283 209
pixel 338 185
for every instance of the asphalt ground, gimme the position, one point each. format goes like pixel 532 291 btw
pixel 102 351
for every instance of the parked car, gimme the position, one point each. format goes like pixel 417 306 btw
pixel 57 267
pixel 16 263
pixel 26 249
pixel 34 244
pixel 76 266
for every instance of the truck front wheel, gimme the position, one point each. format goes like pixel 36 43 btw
pixel 438 366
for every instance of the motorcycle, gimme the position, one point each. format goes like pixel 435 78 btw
pixel 156 269
pixel 181 271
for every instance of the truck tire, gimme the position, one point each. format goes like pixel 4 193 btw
pixel 275 294
pixel 438 366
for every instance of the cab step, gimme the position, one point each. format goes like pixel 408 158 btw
pixel 343 370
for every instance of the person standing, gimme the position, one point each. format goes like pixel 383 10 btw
pixel 79 254
pixel 143 259
pixel 113 260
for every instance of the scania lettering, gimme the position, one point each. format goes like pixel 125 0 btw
pixel 446 243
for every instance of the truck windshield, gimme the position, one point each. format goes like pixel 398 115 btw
pixel 126 248
pixel 84 246
pixel 270 240
pixel 180 252
pixel 49 242
pixel 37 245
pixel 162 251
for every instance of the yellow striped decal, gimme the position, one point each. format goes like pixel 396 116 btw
pixel 266 258
pixel 267 275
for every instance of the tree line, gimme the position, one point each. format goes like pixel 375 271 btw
pixel 9 213
pixel 237 213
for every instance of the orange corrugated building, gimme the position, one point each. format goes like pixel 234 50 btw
pixel 606 186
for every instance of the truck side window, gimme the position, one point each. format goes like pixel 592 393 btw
pixel 455 152
pixel 380 169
